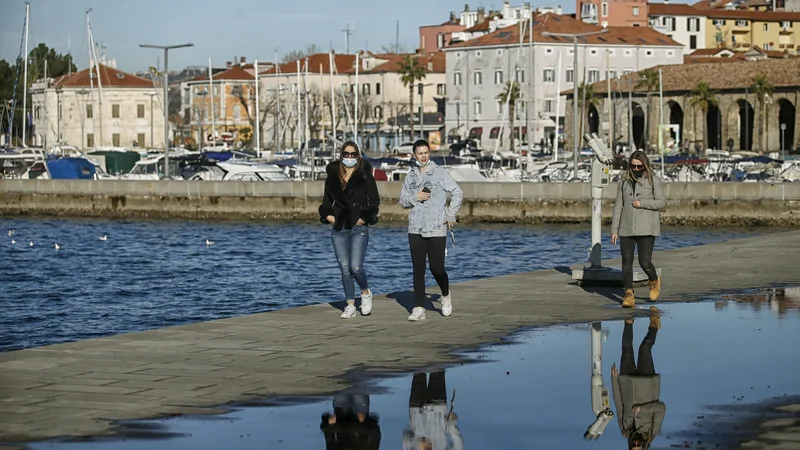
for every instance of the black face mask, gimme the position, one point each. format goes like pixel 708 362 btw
pixel 638 173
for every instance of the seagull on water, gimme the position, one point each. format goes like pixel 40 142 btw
pixel 56 246
pixel 31 244
pixel 13 241
pixel 11 232
pixel 209 242
pixel 104 238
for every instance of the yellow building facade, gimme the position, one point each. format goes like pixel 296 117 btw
pixel 739 30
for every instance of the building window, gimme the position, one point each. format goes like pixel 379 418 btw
pixel 478 108
pixel 648 53
pixel 635 10
pixel 378 112
pixel 549 105
pixel 377 89
pixel 604 9
pixel 593 51
pixel 478 53
pixel 611 74
pixel 549 75
pixel 594 75
pixel 115 111
pixel 237 112
pixel 365 88
pixel 90 140
pixel 140 140
pixel 457 78
pixel 628 52
pixel 611 52
pixel 499 107
pixel 570 75
pixel 786 25
pixel 499 52
pixel 441 90
pixel 440 40
pixel 115 139
pixel 692 42
pixel 694 24
pixel 627 71
pixel 548 50
pixel 767 47
pixel 520 75
pixel 766 27
pixel 140 111
pixel 498 77
pixel 741 23
pixel 718 22
pixel 89 112
pixel 477 78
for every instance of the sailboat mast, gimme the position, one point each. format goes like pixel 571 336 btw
pixel 297 126
pixel 93 57
pixel 306 131
pixel 211 106
pixel 258 112
pixel 333 101
pixel 46 119
pixel 25 80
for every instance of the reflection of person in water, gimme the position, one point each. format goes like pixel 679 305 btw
pixel 430 422
pixel 351 426
pixel 636 388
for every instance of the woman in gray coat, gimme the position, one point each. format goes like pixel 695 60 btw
pixel 636 222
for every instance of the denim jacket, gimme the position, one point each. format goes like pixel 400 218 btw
pixel 429 218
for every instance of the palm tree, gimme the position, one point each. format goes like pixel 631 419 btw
pixel 648 82
pixel 511 94
pixel 587 97
pixel 703 98
pixel 411 70
pixel 762 88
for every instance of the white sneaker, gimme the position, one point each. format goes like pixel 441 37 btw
pixel 349 311
pixel 366 303
pixel 418 313
pixel 447 305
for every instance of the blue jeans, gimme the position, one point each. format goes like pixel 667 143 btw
pixel 350 247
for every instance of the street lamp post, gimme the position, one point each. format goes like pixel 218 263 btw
pixel 577 139
pixel 166 49
pixel 783 141
pixel 151 94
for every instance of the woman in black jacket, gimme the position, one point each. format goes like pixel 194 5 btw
pixel 350 204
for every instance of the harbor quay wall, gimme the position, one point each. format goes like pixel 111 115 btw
pixel 747 204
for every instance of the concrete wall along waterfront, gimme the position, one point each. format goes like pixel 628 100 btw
pixel 687 203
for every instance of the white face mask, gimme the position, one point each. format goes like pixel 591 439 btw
pixel 349 162
pixel 421 164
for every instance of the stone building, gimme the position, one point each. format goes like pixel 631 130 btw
pixel 736 115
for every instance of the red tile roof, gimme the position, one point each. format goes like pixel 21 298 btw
pixel 555 23
pixel 109 77
pixel 709 52
pixel 483 26
pixel 342 63
pixel 236 72
pixel 720 74
pixel 759 16
pixel 674 9
pixel 393 61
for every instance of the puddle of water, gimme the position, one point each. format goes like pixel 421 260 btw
pixel 538 392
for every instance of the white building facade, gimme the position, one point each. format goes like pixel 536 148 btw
pixel 477 73
pixel 681 23
pixel 72 110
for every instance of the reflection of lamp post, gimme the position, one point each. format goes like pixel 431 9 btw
pixel 577 139
pixel 151 94
pixel 600 405
pixel 83 93
pixel 166 49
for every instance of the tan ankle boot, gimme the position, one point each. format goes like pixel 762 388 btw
pixel 628 301
pixel 655 319
pixel 655 289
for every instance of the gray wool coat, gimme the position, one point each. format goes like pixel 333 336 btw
pixel 644 220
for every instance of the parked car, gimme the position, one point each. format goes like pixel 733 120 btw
pixel 405 147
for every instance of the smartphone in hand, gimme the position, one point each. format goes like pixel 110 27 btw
pixel 427 190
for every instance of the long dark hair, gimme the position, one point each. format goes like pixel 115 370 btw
pixel 342 168
pixel 648 168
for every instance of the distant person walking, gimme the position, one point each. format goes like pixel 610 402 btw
pixel 636 222
pixel 425 193
pixel 350 203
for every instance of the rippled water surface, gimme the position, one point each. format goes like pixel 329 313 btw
pixel 151 274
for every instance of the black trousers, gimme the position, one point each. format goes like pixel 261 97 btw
pixel 433 249
pixel 644 246
pixel 425 392
pixel 627 365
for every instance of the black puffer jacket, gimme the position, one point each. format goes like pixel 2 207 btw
pixel 358 200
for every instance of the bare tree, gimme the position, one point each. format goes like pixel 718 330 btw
pixel 294 55
pixel 246 97
pixel 394 48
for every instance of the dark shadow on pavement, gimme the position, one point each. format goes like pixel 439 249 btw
pixel 340 305
pixel 563 269
pixel 611 293
pixel 406 300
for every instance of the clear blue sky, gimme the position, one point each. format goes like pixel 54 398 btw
pixel 221 29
